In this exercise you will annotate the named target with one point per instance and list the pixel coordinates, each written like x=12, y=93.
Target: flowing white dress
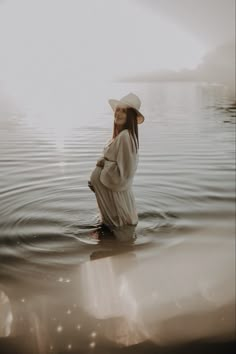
x=113, y=182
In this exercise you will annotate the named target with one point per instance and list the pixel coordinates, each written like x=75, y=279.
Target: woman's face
x=120, y=115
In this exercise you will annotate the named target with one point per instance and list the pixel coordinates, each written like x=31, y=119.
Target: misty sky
x=90, y=39
x=50, y=45
x=211, y=21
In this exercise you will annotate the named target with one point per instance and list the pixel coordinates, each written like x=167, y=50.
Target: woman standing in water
x=111, y=180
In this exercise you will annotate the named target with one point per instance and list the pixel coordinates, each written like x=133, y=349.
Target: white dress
x=113, y=182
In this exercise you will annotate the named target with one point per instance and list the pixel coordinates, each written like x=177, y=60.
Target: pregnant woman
x=111, y=180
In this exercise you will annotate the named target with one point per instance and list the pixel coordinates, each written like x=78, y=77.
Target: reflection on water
x=182, y=293
x=5, y=315
x=68, y=284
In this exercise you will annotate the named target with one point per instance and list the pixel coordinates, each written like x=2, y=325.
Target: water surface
x=61, y=289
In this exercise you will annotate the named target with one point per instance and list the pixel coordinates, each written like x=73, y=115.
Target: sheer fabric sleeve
x=118, y=174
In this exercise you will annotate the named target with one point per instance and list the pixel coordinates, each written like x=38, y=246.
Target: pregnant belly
x=95, y=176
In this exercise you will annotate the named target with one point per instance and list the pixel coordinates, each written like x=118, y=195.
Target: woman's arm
x=117, y=175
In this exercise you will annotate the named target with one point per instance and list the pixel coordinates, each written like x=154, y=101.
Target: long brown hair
x=132, y=126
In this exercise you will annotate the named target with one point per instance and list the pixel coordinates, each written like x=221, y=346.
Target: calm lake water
x=66, y=286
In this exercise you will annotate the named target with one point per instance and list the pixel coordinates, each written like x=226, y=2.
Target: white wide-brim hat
x=130, y=100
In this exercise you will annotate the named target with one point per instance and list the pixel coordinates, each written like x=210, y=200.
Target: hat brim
x=114, y=103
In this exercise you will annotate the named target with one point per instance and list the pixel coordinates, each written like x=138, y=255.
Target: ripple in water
x=174, y=269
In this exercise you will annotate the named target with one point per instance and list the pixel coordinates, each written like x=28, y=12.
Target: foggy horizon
x=54, y=49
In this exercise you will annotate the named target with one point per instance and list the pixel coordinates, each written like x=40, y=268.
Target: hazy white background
x=59, y=57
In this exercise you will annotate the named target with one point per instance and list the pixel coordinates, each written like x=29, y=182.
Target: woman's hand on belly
x=100, y=163
x=91, y=186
